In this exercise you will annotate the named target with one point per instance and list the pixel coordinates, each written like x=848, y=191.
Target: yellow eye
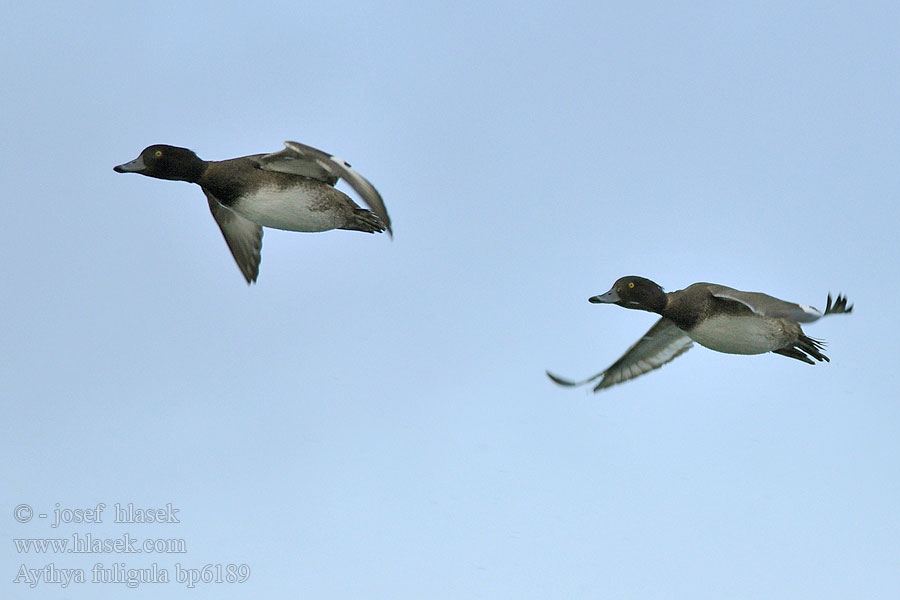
x=630, y=285
x=158, y=153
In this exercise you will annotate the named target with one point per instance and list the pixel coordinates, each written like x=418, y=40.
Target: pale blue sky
x=372, y=419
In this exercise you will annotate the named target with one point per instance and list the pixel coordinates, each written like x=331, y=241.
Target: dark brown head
x=166, y=162
x=634, y=292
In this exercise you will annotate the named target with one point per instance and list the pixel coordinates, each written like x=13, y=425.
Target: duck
x=715, y=316
x=292, y=189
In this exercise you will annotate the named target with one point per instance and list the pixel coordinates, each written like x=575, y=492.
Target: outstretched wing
x=300, y=159
x=243, y=236
x=288, y=160
x=769, y=306
x=661, y=344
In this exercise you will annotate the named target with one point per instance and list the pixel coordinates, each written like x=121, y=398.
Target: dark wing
x=243, y=236
x=300, y=159
x=289, y=160
x=839, y=306
x=662, y=343
x=768, y=306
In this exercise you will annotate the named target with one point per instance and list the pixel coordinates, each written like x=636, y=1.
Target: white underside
x=289, y=210
x=740, y=335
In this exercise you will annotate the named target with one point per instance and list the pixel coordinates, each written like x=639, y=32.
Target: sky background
x=372, y=419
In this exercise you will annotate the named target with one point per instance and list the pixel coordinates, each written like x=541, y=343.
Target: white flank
x=740, y=335
x=289, y=209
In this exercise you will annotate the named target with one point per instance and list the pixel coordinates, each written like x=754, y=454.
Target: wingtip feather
x=559, y=380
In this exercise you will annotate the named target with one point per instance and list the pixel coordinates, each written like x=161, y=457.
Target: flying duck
x=718, y=317
x=292, y=189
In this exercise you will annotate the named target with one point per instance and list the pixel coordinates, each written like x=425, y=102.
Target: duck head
x=165, y=162
x=634, y=292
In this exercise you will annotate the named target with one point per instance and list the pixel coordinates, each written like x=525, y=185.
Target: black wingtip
x=559, y=380
x=250, y=274
x=569, y=383
x=839, y=306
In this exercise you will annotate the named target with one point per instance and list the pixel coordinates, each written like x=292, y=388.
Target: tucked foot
x=365, y=220
x=804, y=348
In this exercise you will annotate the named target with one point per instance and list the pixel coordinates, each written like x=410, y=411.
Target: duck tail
x=365, y=220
